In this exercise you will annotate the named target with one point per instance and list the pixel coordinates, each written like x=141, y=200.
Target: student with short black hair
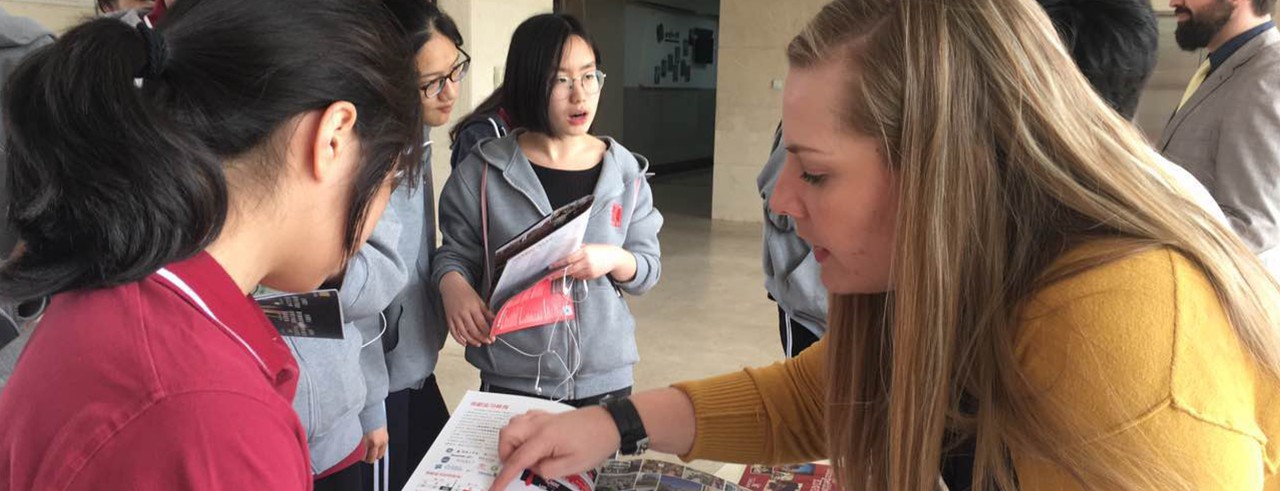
x=149, y=213
x=1113, y=42
x=551, y=92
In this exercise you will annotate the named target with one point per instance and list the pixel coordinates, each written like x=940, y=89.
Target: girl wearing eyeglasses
x=395, y=322
x=551, y=92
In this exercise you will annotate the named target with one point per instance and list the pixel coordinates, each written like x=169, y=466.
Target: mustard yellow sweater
x=1139, y=348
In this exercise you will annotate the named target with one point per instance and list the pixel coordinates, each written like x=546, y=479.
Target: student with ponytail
x=245, y=158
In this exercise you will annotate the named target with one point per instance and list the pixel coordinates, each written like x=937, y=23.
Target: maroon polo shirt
x=136, y=387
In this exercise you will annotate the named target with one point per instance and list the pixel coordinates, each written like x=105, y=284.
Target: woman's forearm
x=668, y=419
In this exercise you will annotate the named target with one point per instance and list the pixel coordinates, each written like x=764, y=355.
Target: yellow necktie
x=1196, y=80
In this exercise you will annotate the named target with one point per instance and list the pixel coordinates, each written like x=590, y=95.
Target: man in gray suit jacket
x=1226, y=131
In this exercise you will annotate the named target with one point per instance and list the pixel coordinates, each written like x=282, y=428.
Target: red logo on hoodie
x=617, y=215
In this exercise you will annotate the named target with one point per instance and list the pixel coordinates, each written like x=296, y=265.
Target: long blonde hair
x=1006, y=158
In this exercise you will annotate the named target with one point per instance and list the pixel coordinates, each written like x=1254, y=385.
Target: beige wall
x=753, y=38
x=486, y=27
x=57, y=15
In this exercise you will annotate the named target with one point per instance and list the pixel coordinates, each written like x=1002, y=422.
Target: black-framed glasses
x=590, y=83
x=435, y=86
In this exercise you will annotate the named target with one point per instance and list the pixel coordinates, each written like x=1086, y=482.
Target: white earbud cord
x=573, y=343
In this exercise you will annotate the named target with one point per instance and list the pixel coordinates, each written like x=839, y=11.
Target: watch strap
x=635, y=440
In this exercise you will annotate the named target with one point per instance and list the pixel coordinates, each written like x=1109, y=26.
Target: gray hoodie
x=342, y=384
x=791, y=274
x=517, y=200
x=416, y=325
x=19, y=36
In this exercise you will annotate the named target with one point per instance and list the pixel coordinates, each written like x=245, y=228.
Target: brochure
x=797, y=477
x=316, y=314
x=525, y=259
x=546, y=302
x=465, y=457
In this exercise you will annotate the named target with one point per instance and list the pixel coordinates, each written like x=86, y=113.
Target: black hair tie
x=157, y=52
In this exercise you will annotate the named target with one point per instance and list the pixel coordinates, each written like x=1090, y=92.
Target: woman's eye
x=812, y=178
x=562, y=80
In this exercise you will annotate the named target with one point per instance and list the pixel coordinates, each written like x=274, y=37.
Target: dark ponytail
x=101, y=194
x=487, y=107
x=110, y=181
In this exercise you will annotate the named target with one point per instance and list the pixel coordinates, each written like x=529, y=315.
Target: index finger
x=528, y=454
x=511, y=437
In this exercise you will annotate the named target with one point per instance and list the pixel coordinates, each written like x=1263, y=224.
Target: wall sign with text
x=668, y=49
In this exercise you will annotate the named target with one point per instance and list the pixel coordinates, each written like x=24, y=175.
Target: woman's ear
x=334, y=139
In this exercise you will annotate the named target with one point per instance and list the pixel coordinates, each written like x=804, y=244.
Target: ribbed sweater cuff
x=732, y=425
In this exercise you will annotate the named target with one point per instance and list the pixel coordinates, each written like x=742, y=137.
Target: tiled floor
x=707, y=316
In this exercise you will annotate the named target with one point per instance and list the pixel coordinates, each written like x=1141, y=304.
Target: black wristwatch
x=635, y=440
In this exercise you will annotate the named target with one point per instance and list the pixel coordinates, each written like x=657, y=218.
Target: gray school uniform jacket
x=415, y=319
x=623, y=215
x=343, y=384
x=791, y=274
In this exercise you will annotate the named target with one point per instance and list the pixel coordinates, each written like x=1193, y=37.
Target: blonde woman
x=1022, y=299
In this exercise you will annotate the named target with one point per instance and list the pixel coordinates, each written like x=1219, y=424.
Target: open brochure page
x=656, y=475
x=465, y=455
x=797, y=477
x=531, y=264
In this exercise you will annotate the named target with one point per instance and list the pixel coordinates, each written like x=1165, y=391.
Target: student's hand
x=593, y=261
x=555, y=445
x=465, y=311
x=375, y=445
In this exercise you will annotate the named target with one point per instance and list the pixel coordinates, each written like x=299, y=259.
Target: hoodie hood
x=16, y=32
